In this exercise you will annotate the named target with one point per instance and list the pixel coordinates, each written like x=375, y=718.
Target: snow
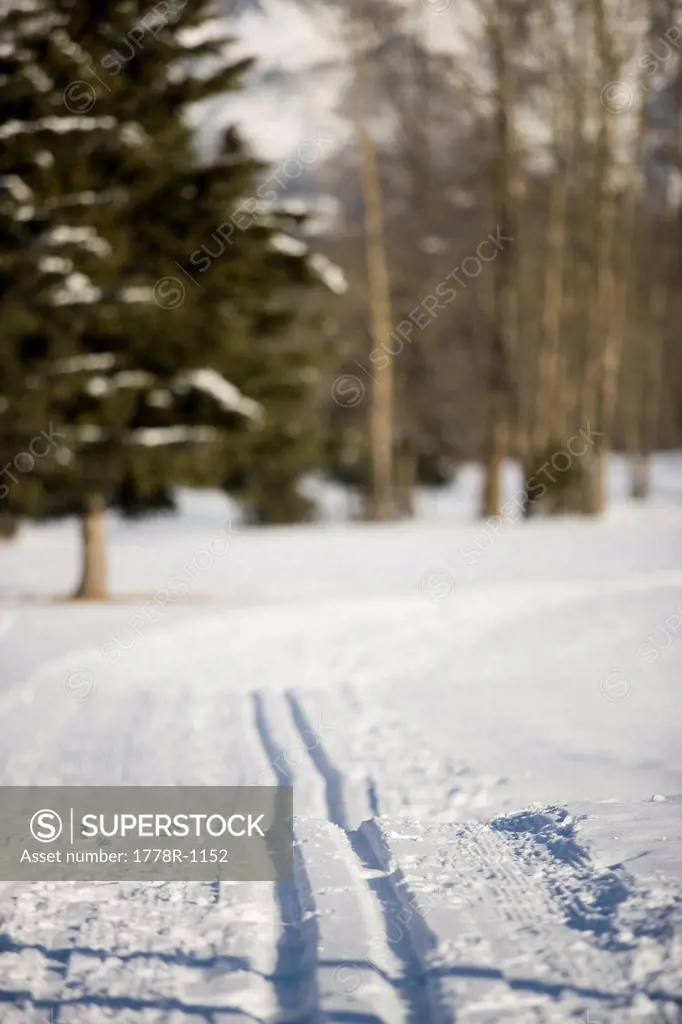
x=76, y=289
x=59, y=125
x=223, y=391
x=210, y=30
x=302, y=68
x=155, y=437
x=323, y=212
x=17, y=188
x=125, y=379
x=486, y=764
x=288, y=245
x=288, y=42
x=137, y=293
x=329, y=273
x=86, y=236
x=55, y=265
x=38, y=78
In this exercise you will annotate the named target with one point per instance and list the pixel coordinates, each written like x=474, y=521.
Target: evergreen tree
x=139, y=304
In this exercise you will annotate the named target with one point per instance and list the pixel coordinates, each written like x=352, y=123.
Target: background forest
x=480, y=261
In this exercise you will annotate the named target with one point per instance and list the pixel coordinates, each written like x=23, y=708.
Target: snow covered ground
x=489, y=822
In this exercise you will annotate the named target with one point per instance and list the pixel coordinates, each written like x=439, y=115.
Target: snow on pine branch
x=223, y=391
x=76, y=289
x=209, y=381
x=288, y=245
x=85, y=236
x=58, y=125
x=226, y=394
x=147, y=437
x=213, y=30
x=156, y=437
x=17, y=187
x=330, y=274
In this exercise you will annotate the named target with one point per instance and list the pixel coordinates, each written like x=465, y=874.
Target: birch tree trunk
x=600, y=348
x=93, y=583
x=499, y=381
x=381, y=413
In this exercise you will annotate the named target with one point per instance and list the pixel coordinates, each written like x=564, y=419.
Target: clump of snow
x=38, y=78
x=155, y=437
x=55, y=265
x=86, y=236
x=133, y=134
x=209, y=31
x=329, y=273
x=77, y=289
x=223, y=391
x=137, y=293
x=125, y=379
x=288, y=245
x=16, y=187
x=59, y=125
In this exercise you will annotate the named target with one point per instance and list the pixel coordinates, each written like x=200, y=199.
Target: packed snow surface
x=481, y=723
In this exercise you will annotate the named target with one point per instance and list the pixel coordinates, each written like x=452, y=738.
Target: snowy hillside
x=488, y=820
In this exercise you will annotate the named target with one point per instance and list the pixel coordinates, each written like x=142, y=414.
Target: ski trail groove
x=294, y=979
x=332, y=777
x=406, y=933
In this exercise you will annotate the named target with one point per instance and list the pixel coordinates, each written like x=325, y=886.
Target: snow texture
x=223, y=391
x=488, y=822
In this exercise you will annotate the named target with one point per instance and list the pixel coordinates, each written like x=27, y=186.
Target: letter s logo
x=46, y=826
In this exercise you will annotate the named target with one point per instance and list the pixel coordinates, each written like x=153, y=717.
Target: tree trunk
x=93, y=584
x=9, y=527
x=381, y=413
x=604, y=344
x=505, y=281
x=548, y=387
x=597, y=489
x=496, y=450
x=639, y=480
x=406, y=479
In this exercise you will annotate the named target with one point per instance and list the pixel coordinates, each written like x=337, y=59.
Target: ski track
x=403, y=908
